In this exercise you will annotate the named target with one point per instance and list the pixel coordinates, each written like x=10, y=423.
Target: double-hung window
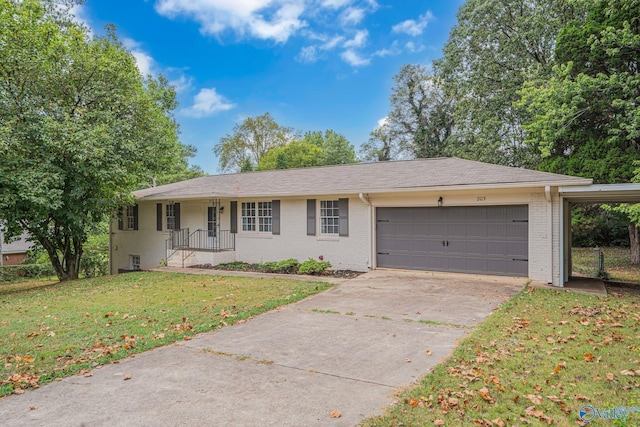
x=248, y=216
x=329, y=217
x=130, y=218
x=170, y=214
x=257, y=216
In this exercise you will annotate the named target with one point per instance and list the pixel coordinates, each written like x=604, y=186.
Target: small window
x=170, y=213
x=134, y=262
x=248, y=216
x=265, y=217
x=329, y=217
x=130, y=218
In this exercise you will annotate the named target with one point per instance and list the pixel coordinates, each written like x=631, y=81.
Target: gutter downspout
x=371, y=231
x=110, y=248
x=547, y=195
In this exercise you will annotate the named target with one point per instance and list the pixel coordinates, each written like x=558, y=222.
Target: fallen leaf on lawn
x=28, y=359
x=610, y=376
x=484, y=393
x=335, y=414
x=559, y=367
x=630, y=372
x=584, y=322
x=581, y=397
x=588, y=357
x=537, y=413
x=127, y=377
x=534, y=399
x=427, y=352
x=414, y=402
x=438, y=422
x=498, y=422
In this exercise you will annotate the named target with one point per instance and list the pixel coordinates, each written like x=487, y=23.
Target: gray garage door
x=482, y=239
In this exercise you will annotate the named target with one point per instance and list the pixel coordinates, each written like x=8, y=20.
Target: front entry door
x=212, y=227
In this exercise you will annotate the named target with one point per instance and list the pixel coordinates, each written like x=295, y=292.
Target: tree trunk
x=634, y=240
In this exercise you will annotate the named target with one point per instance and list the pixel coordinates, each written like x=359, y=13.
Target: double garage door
x=478, y=239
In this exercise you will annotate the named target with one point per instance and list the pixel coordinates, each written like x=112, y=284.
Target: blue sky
x=313, y=64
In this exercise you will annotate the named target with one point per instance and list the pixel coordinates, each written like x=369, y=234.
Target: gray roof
x=16, y=247
x=380, y=177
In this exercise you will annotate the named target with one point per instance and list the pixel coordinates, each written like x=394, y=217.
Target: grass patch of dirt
x=49, y=331
x=535, y=361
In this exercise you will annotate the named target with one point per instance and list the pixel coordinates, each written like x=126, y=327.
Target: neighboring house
x=443, y=214
x=15, y=252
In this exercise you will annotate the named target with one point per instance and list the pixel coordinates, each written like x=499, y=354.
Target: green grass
x=535, y=361
x=48, y=331
x=616, y=264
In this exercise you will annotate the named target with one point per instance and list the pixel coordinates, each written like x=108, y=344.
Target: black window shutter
x=275, y=217
x=159, y=216
x=343, y=209
x=177, y=214
x=120, y=219
x=234, y=217
x=311, y=217
x=135, y=217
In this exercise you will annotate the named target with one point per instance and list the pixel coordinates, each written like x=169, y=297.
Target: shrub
x=13, y=273
x=285, y=266
x=311, y=266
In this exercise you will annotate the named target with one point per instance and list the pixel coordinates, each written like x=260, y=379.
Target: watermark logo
x=589, y=413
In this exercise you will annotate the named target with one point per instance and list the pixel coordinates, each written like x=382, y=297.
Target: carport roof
x=380, y=177
x=602, y=193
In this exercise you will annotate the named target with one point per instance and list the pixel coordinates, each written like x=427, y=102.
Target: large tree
x=250, y=141
x=495, y=46
x=79, y=128
x=297, y=154
x=336, y=148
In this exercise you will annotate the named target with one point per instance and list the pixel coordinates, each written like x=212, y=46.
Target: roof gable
x=420, y=174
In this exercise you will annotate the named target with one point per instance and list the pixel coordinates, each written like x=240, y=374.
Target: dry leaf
x=610, y=376
x=335, y=414
x=33, y=408
x=588, y=357
x=534, y=399
x=438, y=422
x=484, y=393
x=414, y=402
x=498, y=422
x=427, y=352
x=127, y=377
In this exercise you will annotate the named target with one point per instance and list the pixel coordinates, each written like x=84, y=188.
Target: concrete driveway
x=348, y=349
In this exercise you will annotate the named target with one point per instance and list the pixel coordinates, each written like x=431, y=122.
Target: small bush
x=13, y=273
x=286, y=266
x=234, y=266
x=311, y=266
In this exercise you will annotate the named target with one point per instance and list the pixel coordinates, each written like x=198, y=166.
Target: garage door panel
x=483, y=239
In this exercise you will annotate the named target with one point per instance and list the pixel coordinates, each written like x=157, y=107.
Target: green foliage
x=297, y=154
x=591, y=225
x=80, y=128
x=380, y=147
x=178, y=171
x=496, y=46
x=95, y=259
x=287, y=266
x=335, y=148
x=584, y=118
x=16, y=273
x=311, y=266
x=250, y=141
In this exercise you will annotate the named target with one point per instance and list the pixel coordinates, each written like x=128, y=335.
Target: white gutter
x=547, y=195
x=372, y=232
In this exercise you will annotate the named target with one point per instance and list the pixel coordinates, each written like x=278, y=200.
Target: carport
x=592, y=194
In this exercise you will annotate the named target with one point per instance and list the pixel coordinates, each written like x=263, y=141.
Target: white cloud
x=273, y=20
x=207, y=103
x=414, y=27
x=354, y=59
x=144, y=61
x=392, y=50
x=359, y=40
x=335, y=4
x=308, y=55
x=352, y=16
x=79, y=12
x=332, y=42
x=414, y=48
x=182, y=83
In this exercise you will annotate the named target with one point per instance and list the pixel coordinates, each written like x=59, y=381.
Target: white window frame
x=134, y=262
x=257, y=217
x=170, y=216
x=248, y=215
x=129, y=220
x=329, y=217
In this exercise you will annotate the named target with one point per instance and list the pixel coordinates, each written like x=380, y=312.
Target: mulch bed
x=338, y=274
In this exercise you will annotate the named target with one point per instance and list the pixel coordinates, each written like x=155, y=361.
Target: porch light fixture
x=221, y=209
x=440, y=201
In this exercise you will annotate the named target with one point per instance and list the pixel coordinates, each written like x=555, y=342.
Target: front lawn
x=49, y=331
x=536, y=361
